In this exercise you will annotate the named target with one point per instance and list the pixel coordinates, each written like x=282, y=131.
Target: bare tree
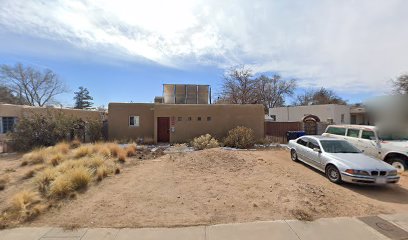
x=317, y=97
x=238, y=86
x=401, y=84
x=30, y=85
x=271, y=91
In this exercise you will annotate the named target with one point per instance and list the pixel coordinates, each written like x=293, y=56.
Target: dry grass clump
x=131, y=150
x=204, y=142
x=74, y=144
x=102, y=172
x=43, y=179
x=56, y=159
x=62, y=147
x=115, y=149
x=82, y=151
x=240, y=137
x=36, y=156
x=93, y=162
x=122, y=156
x=73, y=179
x=23, y=205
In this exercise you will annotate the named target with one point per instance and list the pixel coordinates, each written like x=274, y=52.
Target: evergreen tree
x=82, y=99
x=6, y=96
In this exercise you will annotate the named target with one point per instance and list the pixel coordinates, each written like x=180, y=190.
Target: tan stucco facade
x=18, y=111
x=216, y=119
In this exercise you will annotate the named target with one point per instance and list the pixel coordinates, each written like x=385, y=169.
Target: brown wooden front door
x=163, y=129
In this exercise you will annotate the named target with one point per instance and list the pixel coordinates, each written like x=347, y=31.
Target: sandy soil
x=220, y=186
x=15, y=175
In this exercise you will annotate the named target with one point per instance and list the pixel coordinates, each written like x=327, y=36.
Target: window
x=8, y=124
x=199, y=119
x=368, y=135
x=208, y=119
x=336, y=131
x=134, y=121
x=180, y=119
x=353, y=132
x=302, y=142
x=313, y=144
x=342, y=118
x=189, y=118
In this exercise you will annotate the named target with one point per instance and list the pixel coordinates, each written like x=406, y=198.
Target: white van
x=391, y=149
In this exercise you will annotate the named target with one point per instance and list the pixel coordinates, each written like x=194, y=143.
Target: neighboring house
x=359, y=116
x=10, y=114
x=172, y=123
x=330, y=113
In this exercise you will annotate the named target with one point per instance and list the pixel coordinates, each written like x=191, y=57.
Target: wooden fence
x=276, y=131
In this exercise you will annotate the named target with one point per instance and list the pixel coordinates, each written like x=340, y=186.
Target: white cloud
x=351, y=45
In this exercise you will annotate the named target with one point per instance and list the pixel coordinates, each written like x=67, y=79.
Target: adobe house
x=182, y=114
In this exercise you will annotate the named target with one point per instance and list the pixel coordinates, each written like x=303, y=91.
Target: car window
x=368, y=135
x=336, y=130
x=334, y=146
x=353, y=132
x=313, y=144
x=302, y=142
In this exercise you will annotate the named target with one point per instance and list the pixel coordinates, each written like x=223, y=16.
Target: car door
x=301, y=148
x=313, y=157
x=369, y=143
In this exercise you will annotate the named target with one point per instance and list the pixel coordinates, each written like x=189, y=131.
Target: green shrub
x=204, y=142
x=240, y=137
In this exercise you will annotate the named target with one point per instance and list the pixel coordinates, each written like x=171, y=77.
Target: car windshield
x=334, y=146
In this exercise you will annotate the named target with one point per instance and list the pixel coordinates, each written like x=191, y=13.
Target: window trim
x=134, y=121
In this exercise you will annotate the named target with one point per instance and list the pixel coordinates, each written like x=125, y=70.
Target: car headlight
x=393, y=173
x=357, y=172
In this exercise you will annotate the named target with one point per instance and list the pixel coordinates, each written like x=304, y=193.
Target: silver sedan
x=341, y=161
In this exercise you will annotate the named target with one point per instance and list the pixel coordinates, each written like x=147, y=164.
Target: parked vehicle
x=390, y=148
x=341, y=161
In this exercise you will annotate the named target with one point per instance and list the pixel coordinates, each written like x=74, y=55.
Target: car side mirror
x=317, y=150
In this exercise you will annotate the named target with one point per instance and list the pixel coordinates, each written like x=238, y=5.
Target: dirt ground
x=219, y=186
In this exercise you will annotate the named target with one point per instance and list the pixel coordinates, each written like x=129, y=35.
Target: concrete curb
x=349, y=228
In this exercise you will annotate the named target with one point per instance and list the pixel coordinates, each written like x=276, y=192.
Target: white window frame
x=136, y=121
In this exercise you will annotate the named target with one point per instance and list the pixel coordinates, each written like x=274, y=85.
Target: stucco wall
x=324, y=112
x=223, y=118
x=118, y=124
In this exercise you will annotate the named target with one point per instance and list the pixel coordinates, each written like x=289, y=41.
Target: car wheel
x=333, y=174
x=293, y=155
x=399, y=164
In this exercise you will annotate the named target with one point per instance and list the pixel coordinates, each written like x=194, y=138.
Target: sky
x=124, y=50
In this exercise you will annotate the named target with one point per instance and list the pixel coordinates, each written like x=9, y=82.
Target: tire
x=333, y=174
x=400, y=164
x=293, y=155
